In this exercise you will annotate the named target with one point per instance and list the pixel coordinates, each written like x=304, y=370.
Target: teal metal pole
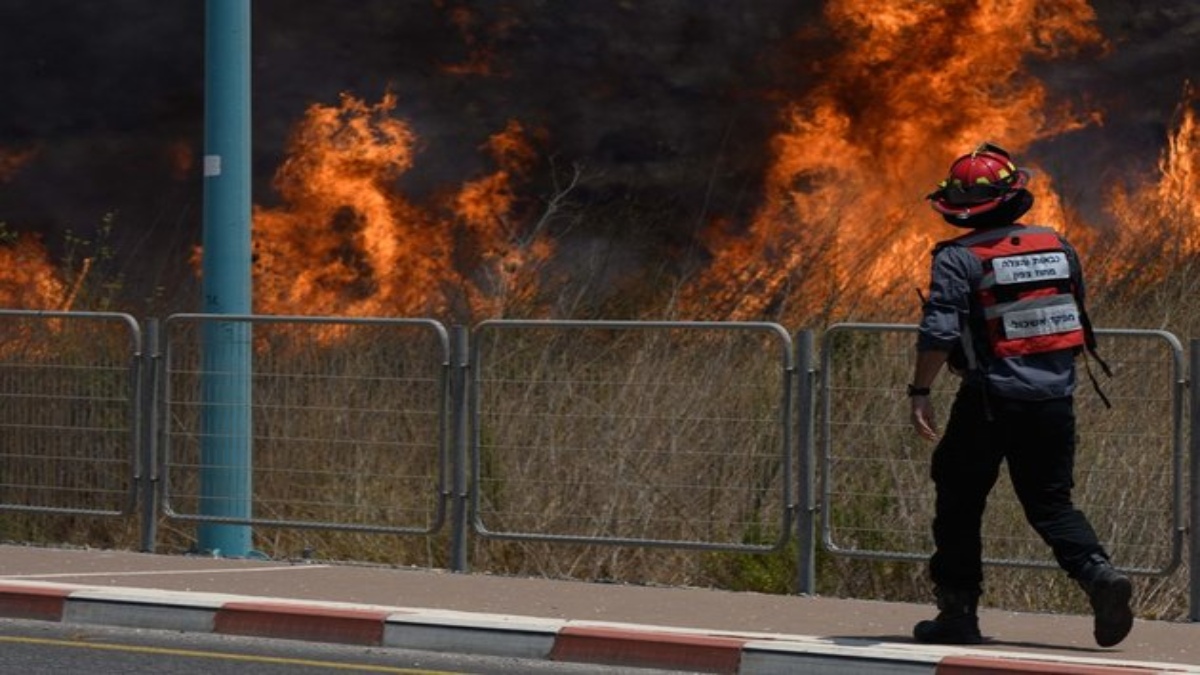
x=225, y=451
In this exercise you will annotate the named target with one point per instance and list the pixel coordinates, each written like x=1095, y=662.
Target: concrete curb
x=599, y=643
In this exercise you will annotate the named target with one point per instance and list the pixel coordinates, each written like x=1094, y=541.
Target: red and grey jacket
x=1027, y=294
x=1028, y=300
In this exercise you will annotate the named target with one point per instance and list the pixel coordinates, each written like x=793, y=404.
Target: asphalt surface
x=47, y=648
x=573, y=622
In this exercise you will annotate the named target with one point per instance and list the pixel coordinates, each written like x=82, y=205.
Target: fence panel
x=348, y=422
x=69, y=418
x=639, y=433
x=877, y=498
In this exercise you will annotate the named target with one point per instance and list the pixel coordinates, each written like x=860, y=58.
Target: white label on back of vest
x=1022, y=269
x=1050, y=320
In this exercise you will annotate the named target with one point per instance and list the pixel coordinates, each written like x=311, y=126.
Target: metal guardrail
x=635, y=433
x=877, y=500
x=348, y=420
x=69, y=382
x=383, y=425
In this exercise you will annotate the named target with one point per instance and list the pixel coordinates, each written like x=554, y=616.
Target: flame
x=842, y=226
x=915, y=84
x=485, y=207
x=347, y=243
x=344, y=243
x=29, y=280
x=1177, y=194
x=1158, y=221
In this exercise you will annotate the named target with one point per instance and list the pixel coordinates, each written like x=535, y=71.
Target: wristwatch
x=918, y=391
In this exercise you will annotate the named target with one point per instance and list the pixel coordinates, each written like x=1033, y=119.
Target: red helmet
x=978, y=183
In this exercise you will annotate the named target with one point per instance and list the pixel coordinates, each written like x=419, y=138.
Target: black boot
x=1109, y=591
x=956, y=622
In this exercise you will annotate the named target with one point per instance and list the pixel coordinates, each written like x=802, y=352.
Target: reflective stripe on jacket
x=1027, y=293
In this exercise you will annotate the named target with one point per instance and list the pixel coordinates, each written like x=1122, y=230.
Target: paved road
x=568, y=621
x=45, y=648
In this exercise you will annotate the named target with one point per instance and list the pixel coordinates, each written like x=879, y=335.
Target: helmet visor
x=966, y=195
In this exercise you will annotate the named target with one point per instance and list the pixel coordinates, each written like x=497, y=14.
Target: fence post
x=805, y=516
x=147, y=419
x=459, y=448
x=1194, y=485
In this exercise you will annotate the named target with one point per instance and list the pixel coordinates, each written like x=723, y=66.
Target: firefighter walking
x=1005, y=310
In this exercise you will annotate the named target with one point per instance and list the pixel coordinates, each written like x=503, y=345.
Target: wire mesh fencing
x=877, y=498
x=640, y=434
x=347, y=423
x=633, y=433
x=69, y=387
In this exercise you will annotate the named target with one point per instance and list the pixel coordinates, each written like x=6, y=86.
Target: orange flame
x=1159, y=221
x=29, y=280
x=916, y=84
x=842, y=227
x=485, y=207
x=347, y=244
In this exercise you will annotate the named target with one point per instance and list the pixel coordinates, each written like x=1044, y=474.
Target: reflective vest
x=1027, y=294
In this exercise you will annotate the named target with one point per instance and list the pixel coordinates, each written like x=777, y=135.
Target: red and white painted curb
x=527, y=637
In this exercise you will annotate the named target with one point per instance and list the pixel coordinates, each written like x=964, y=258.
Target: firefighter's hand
x=922, y=418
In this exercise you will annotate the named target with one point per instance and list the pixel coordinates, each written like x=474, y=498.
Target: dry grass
x=671, y=440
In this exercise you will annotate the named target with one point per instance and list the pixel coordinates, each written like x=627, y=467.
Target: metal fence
x=348, y=422
x=692, y=434
x=876, y=498
x=637, y=433
x=69, y=418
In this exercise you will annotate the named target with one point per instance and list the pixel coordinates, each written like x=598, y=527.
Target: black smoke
x=668, y=105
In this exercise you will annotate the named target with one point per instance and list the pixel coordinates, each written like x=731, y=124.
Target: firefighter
x=1005, y=310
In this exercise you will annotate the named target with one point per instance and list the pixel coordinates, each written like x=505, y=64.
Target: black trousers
x=1037, y=439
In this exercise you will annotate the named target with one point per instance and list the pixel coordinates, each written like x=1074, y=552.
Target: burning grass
x=830, y=241
x=542, y=473
x=605, y=434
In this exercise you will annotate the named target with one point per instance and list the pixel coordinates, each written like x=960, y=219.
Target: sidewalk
x=675, y=628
